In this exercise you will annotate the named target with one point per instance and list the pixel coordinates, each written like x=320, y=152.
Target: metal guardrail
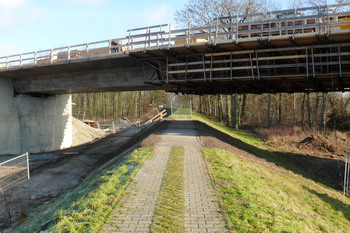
x=320, y=20
x=14, y=170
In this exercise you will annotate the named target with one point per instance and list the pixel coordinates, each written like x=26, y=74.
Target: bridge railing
x=320, y=20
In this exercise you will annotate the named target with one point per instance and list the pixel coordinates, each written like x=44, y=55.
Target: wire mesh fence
x=347, y=174
x=14, y=170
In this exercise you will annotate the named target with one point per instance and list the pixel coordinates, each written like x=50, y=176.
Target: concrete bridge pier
x=33, y=124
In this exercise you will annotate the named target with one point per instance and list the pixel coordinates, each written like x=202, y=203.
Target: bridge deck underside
x=301, y=64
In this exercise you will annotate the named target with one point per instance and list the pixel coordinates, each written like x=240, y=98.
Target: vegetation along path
x=172, y=191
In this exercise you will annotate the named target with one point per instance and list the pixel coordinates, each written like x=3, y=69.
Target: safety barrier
x=13, y=171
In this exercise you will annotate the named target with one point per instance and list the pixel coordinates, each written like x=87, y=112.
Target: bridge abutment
x=33, y=124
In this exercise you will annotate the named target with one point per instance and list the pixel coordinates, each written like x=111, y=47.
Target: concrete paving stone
x=142, y=195
x=202, y=210
x=201, y=201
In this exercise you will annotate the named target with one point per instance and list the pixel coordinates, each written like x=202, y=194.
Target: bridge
x=294, y=50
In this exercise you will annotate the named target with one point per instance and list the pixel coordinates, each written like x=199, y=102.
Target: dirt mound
x=327, y=144
x=82, y=133
x=335, y=144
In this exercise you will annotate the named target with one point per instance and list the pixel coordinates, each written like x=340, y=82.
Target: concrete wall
x=33, y=124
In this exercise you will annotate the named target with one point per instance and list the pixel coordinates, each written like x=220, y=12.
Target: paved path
x=137, y=208
x=202, y=211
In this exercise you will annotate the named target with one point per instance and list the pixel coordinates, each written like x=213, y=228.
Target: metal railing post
x=319, y=20
x=346, y=173
x=28, y=173
x=51, y=57
x=270, y=18
x=68, y=55
x=161, y=36
x=129, y=40
x=35, y=57
x=20, y=61
x=169, y=39
x=87, y=51
x=237, y=29
x=7, y=63
x=216, y=30
x=188, y=38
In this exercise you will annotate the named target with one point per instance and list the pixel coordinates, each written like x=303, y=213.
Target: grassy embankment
x=304, y=165
x=169, y=212
x=91, y=204
x=256, y=198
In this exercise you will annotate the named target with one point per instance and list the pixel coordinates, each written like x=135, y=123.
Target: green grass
x=180, y=113
x=169, y=212
x=244, y=136
x=257, y=199
x=90, y=205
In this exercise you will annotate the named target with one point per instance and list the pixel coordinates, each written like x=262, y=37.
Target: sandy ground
x=83, y=133
x=63, y=170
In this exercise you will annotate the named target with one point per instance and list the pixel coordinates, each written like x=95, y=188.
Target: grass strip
x=257, y=199
x=244, y=136
x=91, y=204
x=169, y=212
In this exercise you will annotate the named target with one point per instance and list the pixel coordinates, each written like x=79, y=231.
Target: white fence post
x=346, y=188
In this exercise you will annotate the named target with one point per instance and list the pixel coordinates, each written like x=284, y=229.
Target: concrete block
x=32, y=124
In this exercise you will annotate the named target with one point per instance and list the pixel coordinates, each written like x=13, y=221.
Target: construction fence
x=13, y=171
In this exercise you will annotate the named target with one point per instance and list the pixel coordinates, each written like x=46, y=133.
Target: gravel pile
x=82, y=133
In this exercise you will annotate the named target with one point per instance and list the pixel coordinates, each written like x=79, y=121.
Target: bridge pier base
x=33, y=124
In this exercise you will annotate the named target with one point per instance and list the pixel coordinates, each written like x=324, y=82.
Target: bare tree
x=296, y=3
x=204, y=12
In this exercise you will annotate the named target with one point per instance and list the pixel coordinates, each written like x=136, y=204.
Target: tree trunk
x=269, y=121
x=294, y=109
x=308, y=107
x=219, y=108
x=234, y=101
x=279, y=109
x=243, y=109
x=323, y=112
x=303, y=110
x=315, y=115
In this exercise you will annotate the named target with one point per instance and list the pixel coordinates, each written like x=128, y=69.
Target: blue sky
x=29, y=25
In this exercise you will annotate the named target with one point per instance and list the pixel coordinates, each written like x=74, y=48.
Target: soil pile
x=331, y=145
x=82, y=133
x=327, y=144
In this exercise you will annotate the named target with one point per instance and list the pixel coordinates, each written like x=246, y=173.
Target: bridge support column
x=33, y=124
